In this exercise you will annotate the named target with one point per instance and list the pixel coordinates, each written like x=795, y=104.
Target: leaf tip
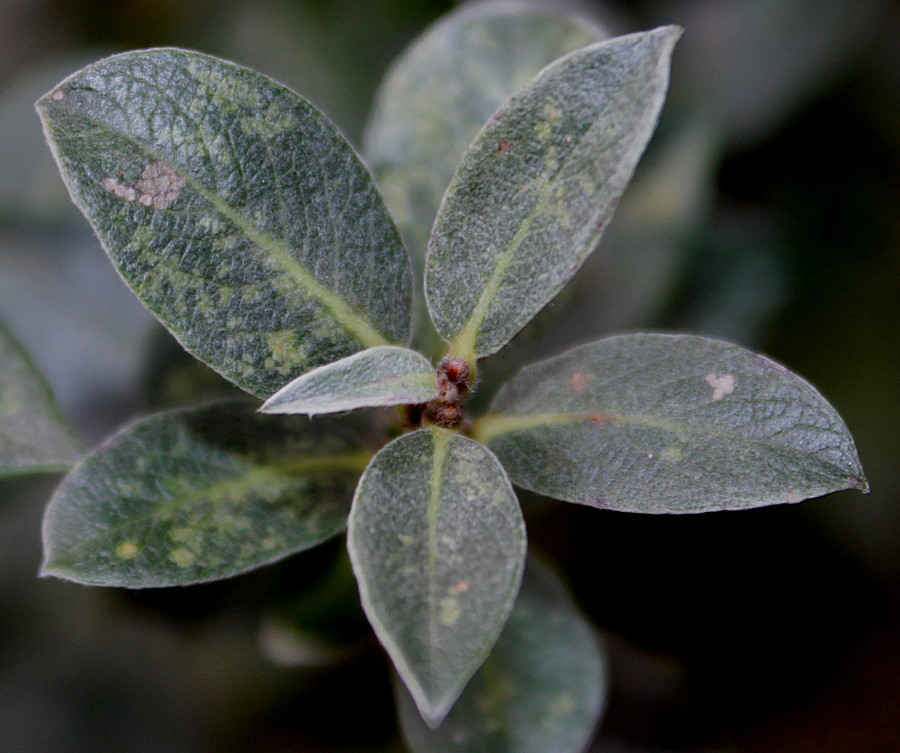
x=434, y=711
x=860, y=483
x=50, y=569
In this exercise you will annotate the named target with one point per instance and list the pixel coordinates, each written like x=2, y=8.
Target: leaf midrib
x=466, y=341
x=487, y=428
x=441, y=446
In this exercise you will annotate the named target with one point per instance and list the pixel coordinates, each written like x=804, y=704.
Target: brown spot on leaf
x=58, y=96
x=599, y=418
x=461, y=587
x=504, y=146
x=579, y=380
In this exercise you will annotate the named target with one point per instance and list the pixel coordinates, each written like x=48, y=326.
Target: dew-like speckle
x=722, y=384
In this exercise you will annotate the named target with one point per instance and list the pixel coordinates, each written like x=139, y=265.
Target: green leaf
x=437, y=543
x=538, y=186
x=234, y=210
x=33, y=436
x=439, y=93
x=542, y=688
x=669, y=424
x=197, y=495
x=381, y=376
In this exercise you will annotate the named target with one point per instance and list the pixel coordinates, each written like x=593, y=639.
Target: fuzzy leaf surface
x=538, y=186
x=33, y=436
x=542, y=688
x=387, y=375
x=669, y=424
x=197, y=495
x=437, y=543
x=443, y=88
x=235, y=211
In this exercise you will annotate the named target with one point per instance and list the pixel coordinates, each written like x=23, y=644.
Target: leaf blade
x=437, y=543
x=542, y=688
x=234, y=210
x=190, y=496
x=33, y=436
x=669, y=424
x=377, y=377
x=441, y=90
x=538, y=186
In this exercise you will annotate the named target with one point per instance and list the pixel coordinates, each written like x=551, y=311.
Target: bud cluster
x=453, y=384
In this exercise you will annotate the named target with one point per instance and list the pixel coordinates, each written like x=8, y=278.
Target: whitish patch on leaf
x=191, y=496
x=722, y=384
x=437, y=543
x=669, y=423
x=542, y=688
x=158, y=186
x=33, y=436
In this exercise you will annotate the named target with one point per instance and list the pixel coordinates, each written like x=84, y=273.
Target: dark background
x=776, y=224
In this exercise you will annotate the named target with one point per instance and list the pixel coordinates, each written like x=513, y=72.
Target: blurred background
x=767, y=212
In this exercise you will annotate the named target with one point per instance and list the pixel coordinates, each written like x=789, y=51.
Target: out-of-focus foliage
x=777, y=165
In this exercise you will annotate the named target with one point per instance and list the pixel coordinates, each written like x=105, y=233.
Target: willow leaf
x=197, y=495
x=33, y=436
x=669, y=423
x=538, y=186
x=437, y=543
x=443, y=88
x=381, y=376
x=542, y=688
x=234, y=210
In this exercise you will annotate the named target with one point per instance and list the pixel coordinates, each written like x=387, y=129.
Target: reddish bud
x=444, y=414
x=457, y=371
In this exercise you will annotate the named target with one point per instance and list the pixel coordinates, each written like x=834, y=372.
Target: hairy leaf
x=538, y=186
x=669, y=423
x=190, y=496
x=542, y=688
x=234, y=210
x=33, y=436
x=439, y=93
x=381, y=376
x=438, y=545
